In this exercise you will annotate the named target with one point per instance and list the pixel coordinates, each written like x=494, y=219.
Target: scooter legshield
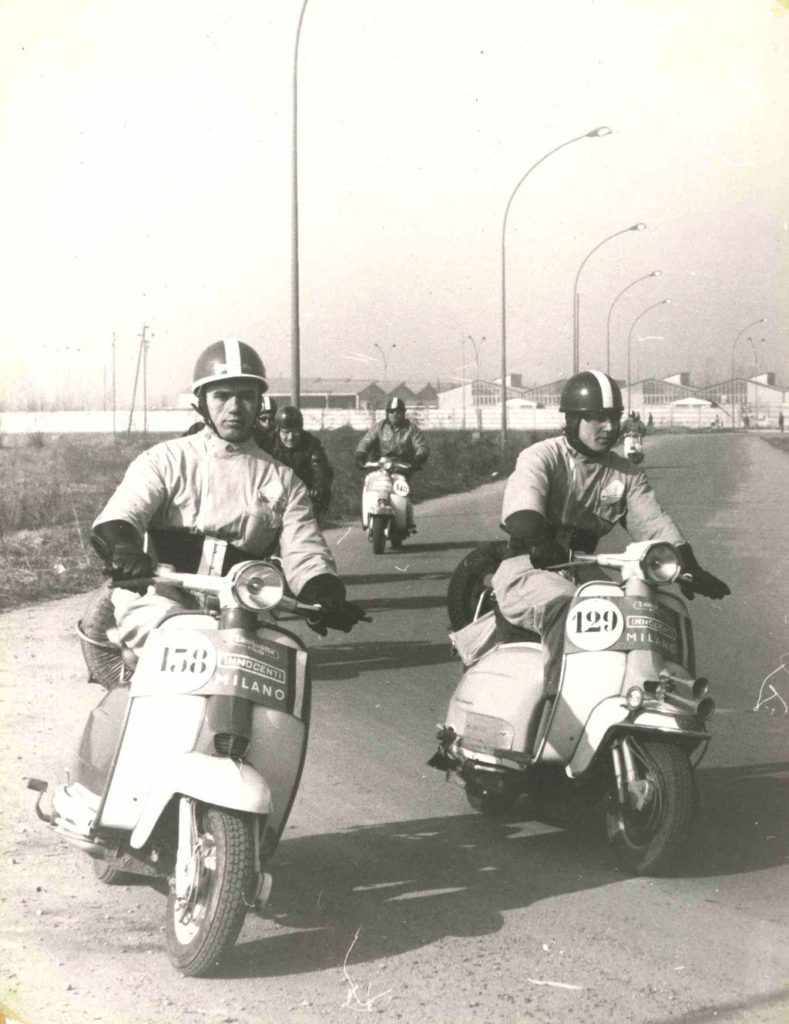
x=212, y=780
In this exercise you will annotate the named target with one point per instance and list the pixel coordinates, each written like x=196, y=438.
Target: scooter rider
x=211, y=499
x=396, y=436
x=567, y=492
x=266, y=428
x=303, y=452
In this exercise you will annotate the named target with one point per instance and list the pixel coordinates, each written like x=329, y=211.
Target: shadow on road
x=403, y=576
x=744, y=822
x=405, y=885
x=343, y=661
x=414, y=602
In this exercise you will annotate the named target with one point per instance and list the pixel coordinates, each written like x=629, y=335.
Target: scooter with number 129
x=627, y=717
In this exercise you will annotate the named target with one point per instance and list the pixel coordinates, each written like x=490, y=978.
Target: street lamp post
x=663, y=302
x=595, y=133
x=576, y=298
x=761, y=320
x=295, y=331
x=655, y=273
x=383, y=357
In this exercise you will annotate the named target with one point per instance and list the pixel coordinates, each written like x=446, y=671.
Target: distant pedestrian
x=650, y=421
x=781, y=422
x=746, y=420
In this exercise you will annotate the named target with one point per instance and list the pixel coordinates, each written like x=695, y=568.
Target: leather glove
x=546, y=553
x=360, y=460
x=319, y=496
x=336, y=613
x=703, y=582
x=120, y=547
x=130, y=563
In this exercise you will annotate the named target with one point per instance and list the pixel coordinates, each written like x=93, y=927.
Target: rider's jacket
x=201, y=485
x=583, y=497
x=406, y=443
x=307, y=459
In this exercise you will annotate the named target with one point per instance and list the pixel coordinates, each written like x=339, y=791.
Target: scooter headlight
x=257, y=586
x=660, y=564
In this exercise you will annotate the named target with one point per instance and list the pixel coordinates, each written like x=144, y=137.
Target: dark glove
x=319, y=496
x=360, y=458
x=120, y=547
x=546, y=553
x=336, y=613
x=702, y=582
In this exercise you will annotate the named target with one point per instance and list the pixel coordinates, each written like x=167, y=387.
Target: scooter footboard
x=212, y=780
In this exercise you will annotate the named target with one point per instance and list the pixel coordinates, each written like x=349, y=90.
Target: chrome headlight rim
x=659, y=564
x=257, y=586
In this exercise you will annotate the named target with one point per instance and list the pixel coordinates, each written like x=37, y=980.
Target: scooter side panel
x=505, y=684
x=158, y=727
x=100, y=740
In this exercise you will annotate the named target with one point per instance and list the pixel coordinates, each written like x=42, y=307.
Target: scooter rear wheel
x=490, y=803
x=648, y=840
x=469, y=586
x=202, y=927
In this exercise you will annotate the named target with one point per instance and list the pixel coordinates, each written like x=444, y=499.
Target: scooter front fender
x=614, y=712
x=212, y=780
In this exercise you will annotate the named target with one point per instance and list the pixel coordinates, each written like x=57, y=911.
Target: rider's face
x=599, y=432
x=232, y=406
x=289, y=437
x=266, y=421
x=396, y=417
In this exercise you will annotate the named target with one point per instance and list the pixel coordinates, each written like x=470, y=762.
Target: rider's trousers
x=538, y=600
x=137, y=614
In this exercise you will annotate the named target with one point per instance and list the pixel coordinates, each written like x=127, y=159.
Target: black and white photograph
x=394, y=507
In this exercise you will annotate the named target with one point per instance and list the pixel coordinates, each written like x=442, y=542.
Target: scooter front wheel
x=378, y=535
x=490, y=802
x=204, y=922
x=650, y=832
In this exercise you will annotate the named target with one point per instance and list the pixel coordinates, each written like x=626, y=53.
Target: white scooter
x=386, y=503
x=628, y=714
x=633, y=447
x=188, y=767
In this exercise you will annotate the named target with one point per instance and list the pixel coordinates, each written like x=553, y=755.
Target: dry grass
x=53, y=488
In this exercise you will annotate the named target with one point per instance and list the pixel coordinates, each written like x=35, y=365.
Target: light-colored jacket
x=577, y=493
x=236, y=492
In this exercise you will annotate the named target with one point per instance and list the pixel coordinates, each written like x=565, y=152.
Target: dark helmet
x=290, y=418
x=267, y=406
x=395, y=405
x=228, y=359
x=591, y=392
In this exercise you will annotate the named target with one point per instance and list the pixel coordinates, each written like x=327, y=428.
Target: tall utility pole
x=295, y=329
x=113, y=385
x=140, y=352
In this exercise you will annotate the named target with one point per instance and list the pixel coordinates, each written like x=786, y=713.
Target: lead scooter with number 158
x=627, y=717
x=187, y=770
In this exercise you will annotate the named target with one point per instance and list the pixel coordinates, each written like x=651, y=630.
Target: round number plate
x=594, y=624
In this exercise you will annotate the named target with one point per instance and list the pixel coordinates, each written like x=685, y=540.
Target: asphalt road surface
x=391, y=897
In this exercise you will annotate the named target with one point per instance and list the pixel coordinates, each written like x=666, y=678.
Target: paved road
x=390, y=895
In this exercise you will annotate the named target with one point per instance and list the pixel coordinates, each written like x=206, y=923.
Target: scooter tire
x=378, y=535
x=650, y=841
x=471, y=581
x=109, y=876
x=222, y=895
x=491, y=804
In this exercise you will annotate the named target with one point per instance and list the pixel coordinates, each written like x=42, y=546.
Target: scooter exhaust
x=702, y=708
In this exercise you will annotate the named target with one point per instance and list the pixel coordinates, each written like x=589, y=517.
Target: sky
x=145, y=160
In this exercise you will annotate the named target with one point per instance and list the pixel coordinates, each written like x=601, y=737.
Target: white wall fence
x=488, y=418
